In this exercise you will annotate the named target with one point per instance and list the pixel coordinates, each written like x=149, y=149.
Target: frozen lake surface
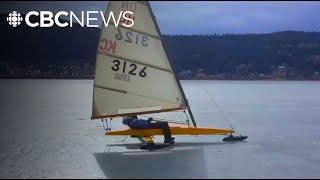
x=46, y=132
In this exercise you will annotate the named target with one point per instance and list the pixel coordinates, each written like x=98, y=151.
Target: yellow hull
x=173, y=130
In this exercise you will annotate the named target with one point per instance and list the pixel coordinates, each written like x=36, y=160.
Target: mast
x=172, y=66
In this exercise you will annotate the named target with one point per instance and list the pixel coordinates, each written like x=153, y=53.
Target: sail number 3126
x=130, y=68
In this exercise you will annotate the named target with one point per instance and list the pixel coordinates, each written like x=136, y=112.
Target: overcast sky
x=205, y=17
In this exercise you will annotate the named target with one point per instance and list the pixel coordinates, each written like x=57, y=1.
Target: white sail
x=133, y=74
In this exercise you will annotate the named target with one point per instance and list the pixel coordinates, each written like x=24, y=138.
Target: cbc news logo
x=14, y=18
x=86, y=19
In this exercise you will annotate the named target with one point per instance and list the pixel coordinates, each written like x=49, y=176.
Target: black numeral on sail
x=132, y=37
x=132, y=68
x=124, y=67
x=116, y=67
x=143, y=73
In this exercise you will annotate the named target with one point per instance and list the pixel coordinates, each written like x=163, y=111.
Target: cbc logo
x=48, y=19
x=14, y=19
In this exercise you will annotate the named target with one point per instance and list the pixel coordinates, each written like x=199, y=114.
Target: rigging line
x=218, y=107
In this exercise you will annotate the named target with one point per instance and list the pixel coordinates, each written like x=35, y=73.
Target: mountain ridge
x=226, y=53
